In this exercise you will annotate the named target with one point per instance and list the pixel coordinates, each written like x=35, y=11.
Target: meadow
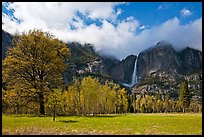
x=116, y=124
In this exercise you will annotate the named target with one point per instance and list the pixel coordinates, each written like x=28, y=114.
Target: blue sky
x=155, y=13
x=116, y=29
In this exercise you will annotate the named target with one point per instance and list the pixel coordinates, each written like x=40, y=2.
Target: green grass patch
x=129, y=124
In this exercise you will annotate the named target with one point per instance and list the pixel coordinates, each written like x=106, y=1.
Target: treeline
x=151, y=104
x=144, y=103
x=89, y=97
x=85, y=97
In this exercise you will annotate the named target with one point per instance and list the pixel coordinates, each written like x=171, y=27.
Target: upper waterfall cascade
x=134, y=76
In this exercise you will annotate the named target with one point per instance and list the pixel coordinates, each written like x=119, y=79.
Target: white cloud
x=119, y=11
x=186, y=12
x=180, y=36
x=118, y=39
x=142, y=27
x=57, y=15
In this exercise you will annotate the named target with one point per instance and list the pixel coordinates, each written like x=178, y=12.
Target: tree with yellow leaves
x=36, y=61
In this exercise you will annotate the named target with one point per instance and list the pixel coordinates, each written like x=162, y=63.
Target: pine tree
x=184, y=95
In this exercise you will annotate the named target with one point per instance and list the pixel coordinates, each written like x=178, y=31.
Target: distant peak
x=163, y=43
x=189, y=49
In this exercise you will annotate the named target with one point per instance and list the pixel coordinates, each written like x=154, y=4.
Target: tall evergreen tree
x=184, y=95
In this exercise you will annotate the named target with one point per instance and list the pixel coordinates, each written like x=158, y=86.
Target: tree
x=123, y=101
x=36, y=61
x=89, y=95
x=106, y=95
x=4, y=100
x=143, y=104
x=71, y=99
x=184, y=95
x=195, y=106
x=54, y=101
x=159, y=105
x=178, y=106
x=167, y=103
x=172, y=104
x=150, y=103
x=109, y=97
x=137, y=104
x=115, y=90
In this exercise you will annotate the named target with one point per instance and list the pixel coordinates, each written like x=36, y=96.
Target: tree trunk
x=42, y=107
x=54, y=114
x=183, y=110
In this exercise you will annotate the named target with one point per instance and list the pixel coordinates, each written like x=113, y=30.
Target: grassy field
x=142, y=124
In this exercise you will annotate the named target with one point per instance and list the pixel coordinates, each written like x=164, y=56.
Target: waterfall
x=134, y=75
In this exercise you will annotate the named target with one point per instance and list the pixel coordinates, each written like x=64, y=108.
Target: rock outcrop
x=191, y=60
x=123, y=71
x=160, y=57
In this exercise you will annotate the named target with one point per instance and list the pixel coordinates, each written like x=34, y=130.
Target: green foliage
x=184, y=95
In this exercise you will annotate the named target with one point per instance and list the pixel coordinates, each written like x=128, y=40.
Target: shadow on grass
x=68, y=121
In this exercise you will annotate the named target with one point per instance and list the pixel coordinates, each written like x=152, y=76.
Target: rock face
x=123, y=71
x=107, y=64
x=80, y=61
x=82, y=53
x=85, y=61
x=191, y=60
x=160, y=57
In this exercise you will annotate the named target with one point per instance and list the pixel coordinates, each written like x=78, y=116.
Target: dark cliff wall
x=124, y=70
x=159, y=57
